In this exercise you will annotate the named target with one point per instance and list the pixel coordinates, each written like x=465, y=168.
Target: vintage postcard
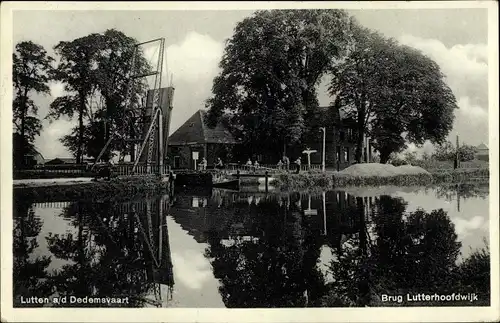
x=249, y=161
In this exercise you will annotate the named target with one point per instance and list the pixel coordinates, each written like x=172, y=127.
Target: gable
x=190, y=131
x=482, y=147
x=218, y=134
x=194, y=130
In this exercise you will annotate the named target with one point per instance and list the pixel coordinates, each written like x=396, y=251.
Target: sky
x=455, y=38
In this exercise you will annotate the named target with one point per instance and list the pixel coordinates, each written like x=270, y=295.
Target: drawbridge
x=144, y=126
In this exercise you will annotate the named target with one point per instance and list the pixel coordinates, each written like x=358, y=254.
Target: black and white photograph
x=205, y=158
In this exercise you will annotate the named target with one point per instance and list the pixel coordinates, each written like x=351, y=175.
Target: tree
x=269, y=73
x=395, y=93
x=113, y=64
x=466, y=152
x=447, y=152
x=95, y=68
x=76, y=70
x=31, y=66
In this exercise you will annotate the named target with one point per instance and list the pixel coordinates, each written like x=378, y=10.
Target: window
x=338, y=153
x=346, y=154
x=342, y=135
x=350, y=135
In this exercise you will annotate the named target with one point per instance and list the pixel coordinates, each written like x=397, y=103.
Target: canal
x=216, y=248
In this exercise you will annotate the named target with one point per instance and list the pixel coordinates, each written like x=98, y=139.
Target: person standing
x=286, y=161
x=298, y=163
x=219, y=164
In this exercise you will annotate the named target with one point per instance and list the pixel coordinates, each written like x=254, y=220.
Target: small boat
x=228, y=184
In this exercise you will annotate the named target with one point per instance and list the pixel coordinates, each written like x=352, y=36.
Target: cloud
x=48, y=142
x=465, y=67
x=191, y=268
x=193, y=62
x=56, y=89
x=465, y=227
x=196, y=59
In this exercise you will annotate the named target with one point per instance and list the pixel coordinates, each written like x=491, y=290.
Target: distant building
x=482, y=152
x=30, y=156
x=194, y=137
x=34, y=159
x=67, y=161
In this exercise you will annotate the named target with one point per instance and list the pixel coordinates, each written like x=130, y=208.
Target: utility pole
x=324, y=144
x=457, y=155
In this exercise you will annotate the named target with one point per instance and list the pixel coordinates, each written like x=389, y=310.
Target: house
x=34, y=158
x=482, y=152
x=67, y=161
x=61, y=161
x=30, y=158
x=195, y=140
x=340, y=140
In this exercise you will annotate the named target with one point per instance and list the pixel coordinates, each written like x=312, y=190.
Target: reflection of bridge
x=334, y=214
x=150, y=216
x=137, y=226
x=52, y=205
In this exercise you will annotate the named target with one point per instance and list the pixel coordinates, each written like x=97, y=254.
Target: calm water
x=251, y=249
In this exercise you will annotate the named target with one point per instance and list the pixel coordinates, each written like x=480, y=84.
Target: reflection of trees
x=276, y=270
x=409, y=252
x=107, y=257
x=29, y=271
x=463, y=191
x=474, y=274
x=418, y=250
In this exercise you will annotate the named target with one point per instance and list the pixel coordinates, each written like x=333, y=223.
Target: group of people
x=285, y=164
x=203, y=164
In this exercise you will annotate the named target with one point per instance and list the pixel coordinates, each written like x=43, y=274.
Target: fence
x=272, y=168
x=126, y=169
x=71, y=171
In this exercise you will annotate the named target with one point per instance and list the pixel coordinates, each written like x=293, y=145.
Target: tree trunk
x=361, y=134
x=22, y=151
x=384, y=157
x=22, y=145
x=81, y=109
x=363, y=282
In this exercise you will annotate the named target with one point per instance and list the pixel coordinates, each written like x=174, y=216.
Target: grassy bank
x=331, y=180
x=92, y=190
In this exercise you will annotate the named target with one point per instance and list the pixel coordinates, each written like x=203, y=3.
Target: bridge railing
x=271, y=168
x=126, y=169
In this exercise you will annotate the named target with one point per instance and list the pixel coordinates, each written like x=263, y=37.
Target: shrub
x=94, y=190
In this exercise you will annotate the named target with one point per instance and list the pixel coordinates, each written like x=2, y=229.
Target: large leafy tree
x=395, y=93
x=31, y=66
x=269, y=73
x=114, y=62
x=76, y=70
x=95, y=68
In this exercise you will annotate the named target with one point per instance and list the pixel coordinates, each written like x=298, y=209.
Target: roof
x=64, y=160
x=68, y=160
x=194, y=130
x=326, y=115
x=482, y=147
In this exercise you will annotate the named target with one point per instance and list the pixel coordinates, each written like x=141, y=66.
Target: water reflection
x=252, y=249
x=110, y=249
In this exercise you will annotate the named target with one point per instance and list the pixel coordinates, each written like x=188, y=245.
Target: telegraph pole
x=324, y=144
